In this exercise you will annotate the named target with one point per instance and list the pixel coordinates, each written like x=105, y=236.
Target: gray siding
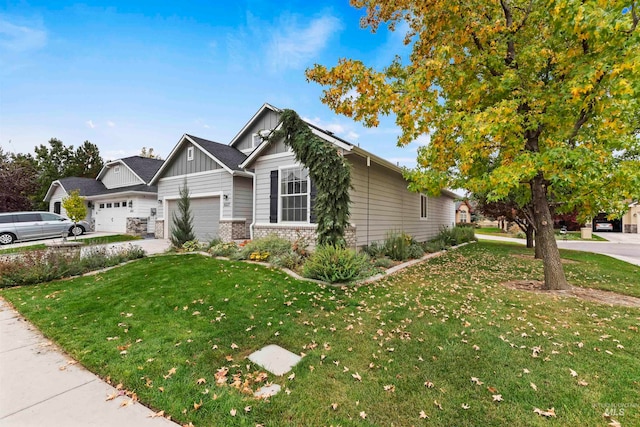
x=268, y=120
x=275, y=148
x=242, y=199
x=180, y=165
x=380, y=202
x=123, y=178
x=200, y=184
x=263, y=169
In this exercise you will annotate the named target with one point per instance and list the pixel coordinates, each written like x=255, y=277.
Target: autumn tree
x=75, y=208
x=513, y=92
x=149, y=153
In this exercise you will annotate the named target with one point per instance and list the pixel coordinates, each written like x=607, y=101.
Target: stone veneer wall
x=159, y=233
x=137, y=226
x=307, y=232
x=630, y=228
x=230, y=230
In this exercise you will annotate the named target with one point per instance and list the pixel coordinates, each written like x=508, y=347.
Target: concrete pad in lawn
x=275, y=359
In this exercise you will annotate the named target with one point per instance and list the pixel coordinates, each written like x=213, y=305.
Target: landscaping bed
x=441, y=343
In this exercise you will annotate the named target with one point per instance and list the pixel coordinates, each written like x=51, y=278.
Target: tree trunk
x=538, y=251
x=554, y=277
x=529, y=233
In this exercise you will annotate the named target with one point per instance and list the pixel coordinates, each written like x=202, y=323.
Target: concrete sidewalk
x=41, y=386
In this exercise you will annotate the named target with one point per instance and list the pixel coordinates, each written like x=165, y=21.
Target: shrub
x=396, y=246
x=192, y=246
x=434, y=246
x=291, y=260
x=415, y=250
x=224, y=249
x=29, y=268
x=336, y=265
x=214, y=242
x=383, y=262
x=374, y=250
x=259, y=256
x=272, y=244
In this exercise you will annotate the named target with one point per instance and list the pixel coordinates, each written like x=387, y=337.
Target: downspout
x=253, y=222
x=368, y=197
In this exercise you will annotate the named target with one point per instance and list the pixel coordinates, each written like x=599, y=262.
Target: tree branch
x=636, y=18
x=511, y=49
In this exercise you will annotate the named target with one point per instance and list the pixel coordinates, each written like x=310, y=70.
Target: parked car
x=37, y=225
x=604, y=226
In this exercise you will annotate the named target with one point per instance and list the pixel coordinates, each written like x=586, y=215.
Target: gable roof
x=143, y=167
x=226, y=156
x=89, y=187
x=265, y=106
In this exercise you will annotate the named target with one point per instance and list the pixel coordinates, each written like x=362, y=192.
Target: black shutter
x=312, y=204
x=273, y=200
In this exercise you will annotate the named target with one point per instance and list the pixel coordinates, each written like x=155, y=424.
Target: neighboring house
x=463, y=212
x=220, y=190
x=119, y=200
x=380, y=202
x=631, y=219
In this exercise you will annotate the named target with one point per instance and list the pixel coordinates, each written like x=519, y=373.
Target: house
x=463, y=212
x=220, y=190
x=255, y=186
x=119, y=199
x=631, y=219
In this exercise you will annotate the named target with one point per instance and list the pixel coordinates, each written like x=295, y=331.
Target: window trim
x=116, y=169
x=426, y=207
x=463, y=218
x=280, y=195
x=190, y=154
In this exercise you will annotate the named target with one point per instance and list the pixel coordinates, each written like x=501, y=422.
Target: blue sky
x=124, y=75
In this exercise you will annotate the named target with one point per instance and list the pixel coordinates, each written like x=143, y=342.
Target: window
x=116, y=205
x=29, y=217
x=189, y=154
x=116, y=169
x=294, y=195
x=124, y=204
x=256, y=139
x=463, y=216
x=50, y=217
x=108, y=205
x=101, y=205
x=424, y=207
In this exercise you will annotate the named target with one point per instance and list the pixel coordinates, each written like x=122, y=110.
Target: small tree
x=76, y=210
x=182, y=230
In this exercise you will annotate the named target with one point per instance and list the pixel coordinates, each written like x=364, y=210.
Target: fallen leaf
x=247, y=409
x=573, y=373
x=492, y=390
x=233, y=412
x=357, y=376
x=197, y=406
x=292, y=376
x=465, y=406
x=548, y=413
x=111, y=396
x=423, y=415
x=156, y=414
x=201, y=381
x=363, y=415
x=583, y=383
x=476, y=381
x=390, y=388
x=334, y=406
x=533, y=386
x=428, y=384
x=438, y=405
x=497, y=398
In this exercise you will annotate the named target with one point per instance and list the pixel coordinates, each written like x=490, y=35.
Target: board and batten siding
x=123, y=178
x=181, y=166
x=206, y=183
x=268, y=120
x=242, y=199
x=381, y=203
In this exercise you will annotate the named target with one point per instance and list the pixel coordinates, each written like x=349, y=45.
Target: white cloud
x=352, y=136
x=111, y=124
x=294, y=44
x=90, y=124
x=21, y=38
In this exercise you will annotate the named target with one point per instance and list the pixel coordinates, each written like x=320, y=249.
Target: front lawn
x=87, y=241
x=570, y=235
x=443, y=343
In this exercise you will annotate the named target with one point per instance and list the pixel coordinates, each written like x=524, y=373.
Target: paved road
x=625, y=247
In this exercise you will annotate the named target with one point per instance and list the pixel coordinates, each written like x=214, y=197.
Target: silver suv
x=36, y=225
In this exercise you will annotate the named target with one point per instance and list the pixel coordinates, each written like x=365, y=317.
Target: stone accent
x=159, y=233
x=92, y=225
x=230, y=230
x=306, y=232
x=137, y=226
x=631, y=228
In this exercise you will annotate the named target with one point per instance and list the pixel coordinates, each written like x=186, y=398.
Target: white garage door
x=206, y=217
x=111, y=216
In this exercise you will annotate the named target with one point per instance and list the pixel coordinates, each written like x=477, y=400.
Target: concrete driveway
x=623, y=246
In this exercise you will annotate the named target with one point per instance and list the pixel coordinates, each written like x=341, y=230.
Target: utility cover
x=275, y=359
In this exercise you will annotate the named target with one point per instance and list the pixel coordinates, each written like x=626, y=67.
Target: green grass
x=87, y=241
x=442, y=322
x=571, y=235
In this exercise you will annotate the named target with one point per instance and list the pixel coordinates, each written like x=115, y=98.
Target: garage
x=206, y=216
x=111, y=216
